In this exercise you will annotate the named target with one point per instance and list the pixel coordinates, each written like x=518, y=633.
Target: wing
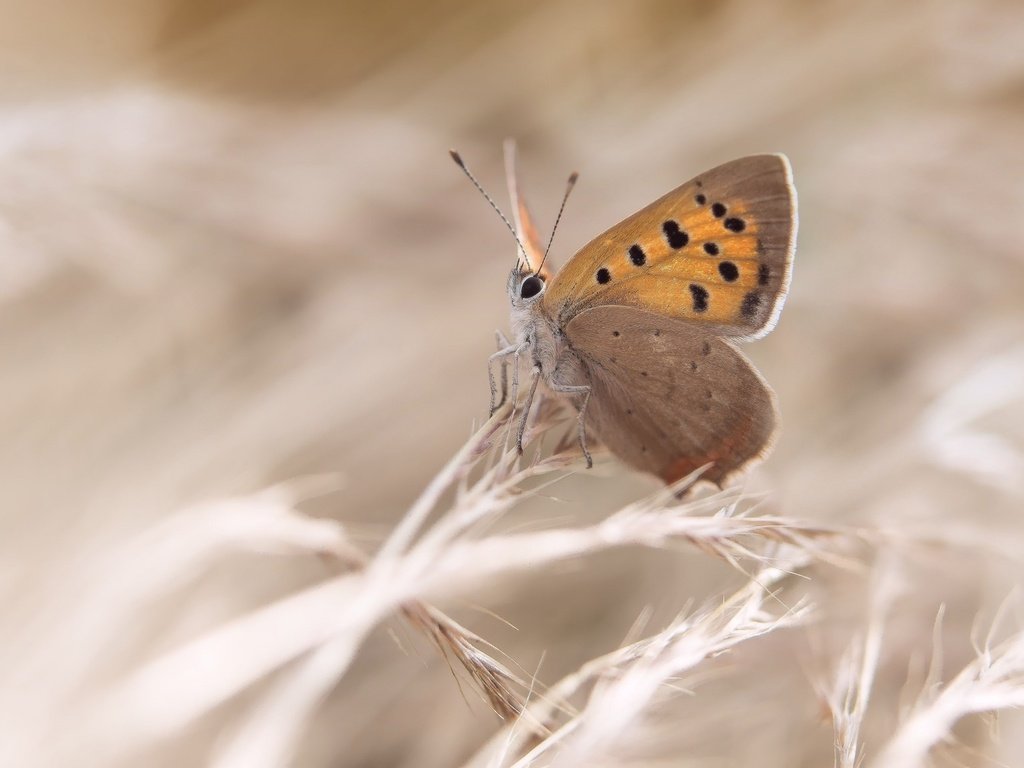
x=668, y=397
x=526, y=230
x=717, y=251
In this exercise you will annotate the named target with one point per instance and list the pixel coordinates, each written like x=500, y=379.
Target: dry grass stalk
x=418, y=561
x=627, y=681
x=849, y=695
x=993, y=681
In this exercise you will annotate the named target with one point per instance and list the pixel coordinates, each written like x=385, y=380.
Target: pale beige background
x=234, y=251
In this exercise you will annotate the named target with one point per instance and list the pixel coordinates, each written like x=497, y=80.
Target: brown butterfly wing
x=717, y=251
x=668, y=397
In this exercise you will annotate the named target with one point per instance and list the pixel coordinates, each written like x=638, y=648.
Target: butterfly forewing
x=667, y=397
x=717, y=251
x=526, y=230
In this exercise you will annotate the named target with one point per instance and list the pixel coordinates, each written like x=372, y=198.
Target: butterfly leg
x=526, y=410
x=578, y=389
x=501, y=356
x=504, y=345
x=514, y=390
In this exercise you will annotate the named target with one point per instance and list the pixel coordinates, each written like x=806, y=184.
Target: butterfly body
x=637, y=328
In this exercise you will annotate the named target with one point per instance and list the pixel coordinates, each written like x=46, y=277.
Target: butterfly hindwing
x=716, y=251
x=667, y=397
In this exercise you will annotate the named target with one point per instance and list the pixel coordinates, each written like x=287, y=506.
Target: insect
x=638, y=329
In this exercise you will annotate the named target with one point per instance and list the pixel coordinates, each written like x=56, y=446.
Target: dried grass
x=327, y=623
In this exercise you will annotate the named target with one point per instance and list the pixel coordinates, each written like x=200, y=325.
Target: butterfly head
x=525, y=288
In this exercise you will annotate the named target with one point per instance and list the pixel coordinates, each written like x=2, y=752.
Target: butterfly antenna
x=461, y=163
x=568, y=188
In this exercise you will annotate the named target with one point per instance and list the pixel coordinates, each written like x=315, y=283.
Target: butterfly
x=639, y=328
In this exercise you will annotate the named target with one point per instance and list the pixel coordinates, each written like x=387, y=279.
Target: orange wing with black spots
x=716, y=251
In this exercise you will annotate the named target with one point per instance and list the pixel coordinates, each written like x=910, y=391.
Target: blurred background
x=234, y=252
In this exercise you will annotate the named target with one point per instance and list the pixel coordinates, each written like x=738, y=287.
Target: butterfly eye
x=531, y=287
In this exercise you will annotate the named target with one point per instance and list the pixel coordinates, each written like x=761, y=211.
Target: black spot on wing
x=675, y=236
x=751, y=303
x=729, y=271
x=699, y=294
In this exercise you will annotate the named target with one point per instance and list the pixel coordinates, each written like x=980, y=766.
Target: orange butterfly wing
x=717, y=250
x=526, y=230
